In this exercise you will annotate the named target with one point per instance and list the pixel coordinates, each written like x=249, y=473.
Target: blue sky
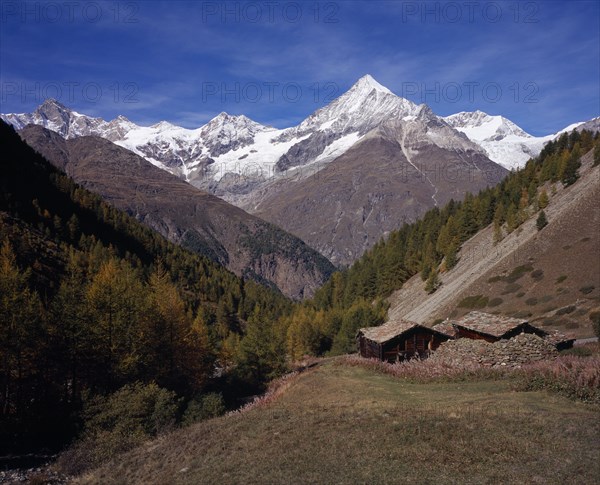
x=537, y=63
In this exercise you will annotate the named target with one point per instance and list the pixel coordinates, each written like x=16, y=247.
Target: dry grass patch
x=351, y=424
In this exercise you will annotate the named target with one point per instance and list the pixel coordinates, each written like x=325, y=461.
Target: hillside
x=550, y=276
x=92, y=300
x=198, y=221
x=339, y=424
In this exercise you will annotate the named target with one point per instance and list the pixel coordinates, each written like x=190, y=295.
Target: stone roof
x=486, y=323
x=557, y=337
x=446, y=327
x=387, y=331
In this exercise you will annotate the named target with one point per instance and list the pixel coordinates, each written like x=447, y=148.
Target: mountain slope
x=395, y=174
x=199, y=221
x=551, y=276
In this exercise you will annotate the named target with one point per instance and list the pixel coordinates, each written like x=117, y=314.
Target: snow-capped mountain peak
x=504, y=142
x=163, y=126
x=367, y=83
x=365, y=105
x=484, y=126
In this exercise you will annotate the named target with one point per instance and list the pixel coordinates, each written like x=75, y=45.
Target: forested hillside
x=91, y=300
x=430, y=246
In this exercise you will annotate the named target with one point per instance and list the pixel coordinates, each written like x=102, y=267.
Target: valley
x=303, y=242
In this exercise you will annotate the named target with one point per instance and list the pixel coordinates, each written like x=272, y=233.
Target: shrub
x=477, y=301
x=119, y=422
x=572, y=376
x=511, y=288
x=537, y=275
x=204, y=407
x=427, y=370
x=531, y=301
x=495, y=302
x=561, y=278
x=587, y=289
x=566, y=310
x=518, y=272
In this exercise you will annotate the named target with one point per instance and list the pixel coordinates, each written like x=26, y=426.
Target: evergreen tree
x=20, y=334
x=543, y=199
x=498, y=236
x=541, y=221
x=570, y=172
x=433, y=282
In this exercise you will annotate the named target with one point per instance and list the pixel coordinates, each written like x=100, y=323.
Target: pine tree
x=171, y=329
x=543, y=199
x=498, y=236
x=541, y=221
x=512, y=218
x=433, y=282
x=21, y=333
x=570, y=172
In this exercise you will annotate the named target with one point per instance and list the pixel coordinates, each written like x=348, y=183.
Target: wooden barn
x=491, y=328
x=398, y=340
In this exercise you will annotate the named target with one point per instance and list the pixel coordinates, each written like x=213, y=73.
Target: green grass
x=341, y=424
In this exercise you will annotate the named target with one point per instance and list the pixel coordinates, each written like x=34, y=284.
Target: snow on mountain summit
x=365, y=105
x=234, y=144
x=504, y=142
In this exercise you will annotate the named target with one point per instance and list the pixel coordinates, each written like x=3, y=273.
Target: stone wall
x=514, y=352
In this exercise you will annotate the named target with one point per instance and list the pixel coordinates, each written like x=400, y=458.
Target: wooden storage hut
x=398, y=340
x=491, y=328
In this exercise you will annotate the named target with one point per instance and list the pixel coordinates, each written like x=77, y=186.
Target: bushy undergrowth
x=119, y=422
x=572, y=376
x=569, y=375
x=416, y=370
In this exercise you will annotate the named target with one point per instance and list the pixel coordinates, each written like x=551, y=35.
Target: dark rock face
x=306, y=150
x=197, y=220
